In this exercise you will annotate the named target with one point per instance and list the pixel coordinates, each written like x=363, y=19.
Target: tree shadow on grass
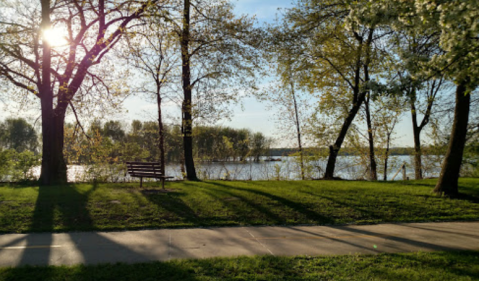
x=174, y=204
x=242, y=207
x=65, y=208
x=310, y=215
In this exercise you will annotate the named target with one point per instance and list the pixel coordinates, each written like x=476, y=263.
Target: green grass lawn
x=463, y=265
x=221, y=203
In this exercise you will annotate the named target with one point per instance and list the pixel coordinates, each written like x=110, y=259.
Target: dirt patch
x=115, y=202
x=231, y=198
x=6, y=202
x=157, y=191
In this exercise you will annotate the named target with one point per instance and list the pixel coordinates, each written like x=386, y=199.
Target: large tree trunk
x=53, y=170
x=334, y=149
x=187, y=124
x=448, y=179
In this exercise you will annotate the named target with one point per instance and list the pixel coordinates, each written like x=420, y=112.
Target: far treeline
x=345, y=151
x=116, y=142
x=346, y=73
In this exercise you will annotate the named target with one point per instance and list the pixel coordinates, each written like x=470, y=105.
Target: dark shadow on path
x=65, y=206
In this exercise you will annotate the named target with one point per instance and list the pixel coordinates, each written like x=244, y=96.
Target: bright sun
x=56, y=37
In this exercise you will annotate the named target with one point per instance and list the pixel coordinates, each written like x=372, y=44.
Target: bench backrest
x=144, y=169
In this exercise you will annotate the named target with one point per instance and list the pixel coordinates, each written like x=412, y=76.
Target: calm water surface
x=287, y=169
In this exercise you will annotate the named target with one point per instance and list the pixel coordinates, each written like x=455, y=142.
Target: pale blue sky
x=253, y=114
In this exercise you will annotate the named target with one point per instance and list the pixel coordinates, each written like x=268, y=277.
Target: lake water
x=287, y=169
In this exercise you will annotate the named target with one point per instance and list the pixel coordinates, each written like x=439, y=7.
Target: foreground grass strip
x=85, y=207
x=463, y=265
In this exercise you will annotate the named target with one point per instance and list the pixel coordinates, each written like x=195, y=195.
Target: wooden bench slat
x=143, y=169
x=142, y=163
x=146, y=175
x=146, y=170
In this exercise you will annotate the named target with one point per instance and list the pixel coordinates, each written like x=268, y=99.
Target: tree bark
x=53, y=169
x=373, y=174
x=187, y=122
x=298, y=128
x=448, y=179
x=334, y=149
x=161, y=138
x=417, y=142
x=358, y=99
x=386, y=157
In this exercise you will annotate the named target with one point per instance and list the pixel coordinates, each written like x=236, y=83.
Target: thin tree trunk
x=448, y=179
x=386, y=157
x=298, y=129
x=161, y=142
x=187, y=124
x=417, y=143
x=373, y=175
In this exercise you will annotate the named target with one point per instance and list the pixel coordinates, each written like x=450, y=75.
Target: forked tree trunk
x=358, y=99
x=187, y=124
x=417, y=142
x=448, y=179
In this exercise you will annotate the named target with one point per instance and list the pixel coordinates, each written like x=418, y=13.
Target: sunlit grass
x=222, y=203
x=461, y=265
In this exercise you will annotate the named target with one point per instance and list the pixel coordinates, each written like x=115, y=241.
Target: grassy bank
x=462, y=265
x=80, y=207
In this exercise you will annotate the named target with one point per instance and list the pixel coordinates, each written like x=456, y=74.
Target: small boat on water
x=272, y=159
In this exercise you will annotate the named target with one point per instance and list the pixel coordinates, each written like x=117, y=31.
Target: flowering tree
x=457, y=25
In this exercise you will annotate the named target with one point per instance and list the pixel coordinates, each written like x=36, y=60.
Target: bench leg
x=163, y=183
x=141, y=182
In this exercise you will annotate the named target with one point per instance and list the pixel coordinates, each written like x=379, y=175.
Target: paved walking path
x=166, y=244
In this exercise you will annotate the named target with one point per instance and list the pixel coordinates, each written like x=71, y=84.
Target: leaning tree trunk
x=448, y=179
x=187, y=124
x=298, y=129
x=334, y=149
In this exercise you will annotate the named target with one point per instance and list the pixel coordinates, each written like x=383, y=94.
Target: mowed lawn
x=80, y=207
x=462, y=265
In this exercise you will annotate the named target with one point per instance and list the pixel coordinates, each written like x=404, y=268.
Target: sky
x=253, y=114
x=250, y=114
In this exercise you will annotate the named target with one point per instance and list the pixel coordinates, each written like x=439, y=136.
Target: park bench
x=146, y=170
